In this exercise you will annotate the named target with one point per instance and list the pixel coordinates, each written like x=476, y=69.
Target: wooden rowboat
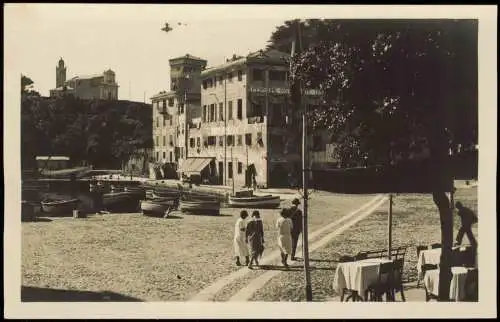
x=159, y=206
x=120, y=200
x=203, y=207
x=259, y=202
x=60, y=206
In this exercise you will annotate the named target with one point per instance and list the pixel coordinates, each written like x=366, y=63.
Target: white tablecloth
x=357, y=275
x=457, y=285
x=433, y=256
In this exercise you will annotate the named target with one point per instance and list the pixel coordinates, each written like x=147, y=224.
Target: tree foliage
x=103, y=133
x=390, y=87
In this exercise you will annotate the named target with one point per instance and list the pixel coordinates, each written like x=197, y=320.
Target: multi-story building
x=99, y=86
x=248, y=126
x=172, y=111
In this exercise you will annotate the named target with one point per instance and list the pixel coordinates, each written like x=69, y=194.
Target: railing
x=255, y=119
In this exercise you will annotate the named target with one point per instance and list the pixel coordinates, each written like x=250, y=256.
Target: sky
x=128, y=39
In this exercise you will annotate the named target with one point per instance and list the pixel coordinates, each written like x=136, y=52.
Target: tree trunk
x=445, y=213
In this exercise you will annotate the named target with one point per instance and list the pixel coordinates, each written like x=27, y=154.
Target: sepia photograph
x=249, y=161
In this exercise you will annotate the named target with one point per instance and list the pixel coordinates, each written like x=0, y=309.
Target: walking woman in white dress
x=284, y=226
x=240, y=245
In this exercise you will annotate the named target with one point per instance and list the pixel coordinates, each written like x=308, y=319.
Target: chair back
x=428, y=267
x=398, y=270
x=421, y=248
x=435, y=245
x=346, y=258
x=385, y=269
x=471, y=285
x=360, y=256
x=399, y=252
x=376, y=253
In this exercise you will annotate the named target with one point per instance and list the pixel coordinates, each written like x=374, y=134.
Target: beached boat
x=136, y=190
x=120, y=199
x=60, y=206
x=157, y=193
x=203, y=207
x=249, y=200
x=159, y=206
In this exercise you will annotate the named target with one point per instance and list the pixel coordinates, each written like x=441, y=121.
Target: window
x=240, y=109
x=170, y=140
x=191, y=142
x=170, y=121
x=170, y=102
x=221, y=141
x=158, y=156
x=215, y=112
x=240, y=75
x=204, y=113
x=181, y=108
x=221, y=111
x=164, y=155
x=248, y=139
x=164, y=104
x=164, y=121
x=157, y=141
x=211, y=140
x=240, y=167
x=170, y=156
x=212, y=112
x=277, y=75
x=157, y=122
x=240, y=139
x=259, y=139
x=215, y=81
x=230, y=77
x=230, y=140
x=164, y=140
x=182, y=152
x=198, y=141
x=230, y=110
x=230, y=170
x=258, y=74
x=204, y=84
x=221, y=79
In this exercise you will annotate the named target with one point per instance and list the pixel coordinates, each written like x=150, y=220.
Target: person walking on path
x=468, y=218
x=296, y=217
x=284, y=226
x=255, y=238
x=240, y=246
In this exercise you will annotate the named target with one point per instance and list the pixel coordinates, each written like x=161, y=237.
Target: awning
x=195, y=165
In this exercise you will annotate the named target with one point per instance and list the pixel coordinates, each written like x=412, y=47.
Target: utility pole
x=305, y=174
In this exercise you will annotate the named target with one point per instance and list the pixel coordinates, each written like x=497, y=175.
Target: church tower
x=60, y=74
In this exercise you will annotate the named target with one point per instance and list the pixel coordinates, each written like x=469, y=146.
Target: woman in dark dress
x=255, y=238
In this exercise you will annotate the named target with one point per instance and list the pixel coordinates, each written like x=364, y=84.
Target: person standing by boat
x=296, y=216
x=255, y=238
x=284, y=226
x=240, y=245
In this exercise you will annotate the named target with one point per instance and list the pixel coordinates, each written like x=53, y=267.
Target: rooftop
x=269, y=56
x=188, y=56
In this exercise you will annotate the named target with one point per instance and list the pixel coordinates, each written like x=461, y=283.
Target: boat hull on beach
x=257, y=202
x=201, y=207
x=159, y=207
x=60, y=207
x=120, y=200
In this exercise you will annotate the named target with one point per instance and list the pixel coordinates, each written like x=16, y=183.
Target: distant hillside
x=102, y=132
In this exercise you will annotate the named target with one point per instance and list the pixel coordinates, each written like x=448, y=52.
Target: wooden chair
x=428, y=295
x=399, y=252
x=376, y=290
x=435, y=245
x=471, y=286
x=397, y=283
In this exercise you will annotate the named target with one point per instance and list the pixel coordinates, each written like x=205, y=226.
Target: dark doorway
x=278, y=178
x=221, y=173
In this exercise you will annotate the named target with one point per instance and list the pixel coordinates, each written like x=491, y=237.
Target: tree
x=391, y=88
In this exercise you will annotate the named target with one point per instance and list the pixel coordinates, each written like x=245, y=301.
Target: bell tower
x=60, y=73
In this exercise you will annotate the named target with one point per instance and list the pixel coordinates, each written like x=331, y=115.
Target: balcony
x=255, y=119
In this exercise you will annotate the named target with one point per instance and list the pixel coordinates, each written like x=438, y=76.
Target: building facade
x=173, y=111
x=99, y=86
x=241, y=127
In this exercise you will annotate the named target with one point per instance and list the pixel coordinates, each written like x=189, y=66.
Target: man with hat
x=296, y=216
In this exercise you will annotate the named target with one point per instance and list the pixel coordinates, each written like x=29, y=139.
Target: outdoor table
x=457, y=285
x=357, y=275
x=433, y=256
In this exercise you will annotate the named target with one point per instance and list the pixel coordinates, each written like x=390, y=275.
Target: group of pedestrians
x=249, y=236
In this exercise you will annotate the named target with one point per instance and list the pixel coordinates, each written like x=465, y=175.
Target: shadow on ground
x=38, y=294
x=36, y=219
